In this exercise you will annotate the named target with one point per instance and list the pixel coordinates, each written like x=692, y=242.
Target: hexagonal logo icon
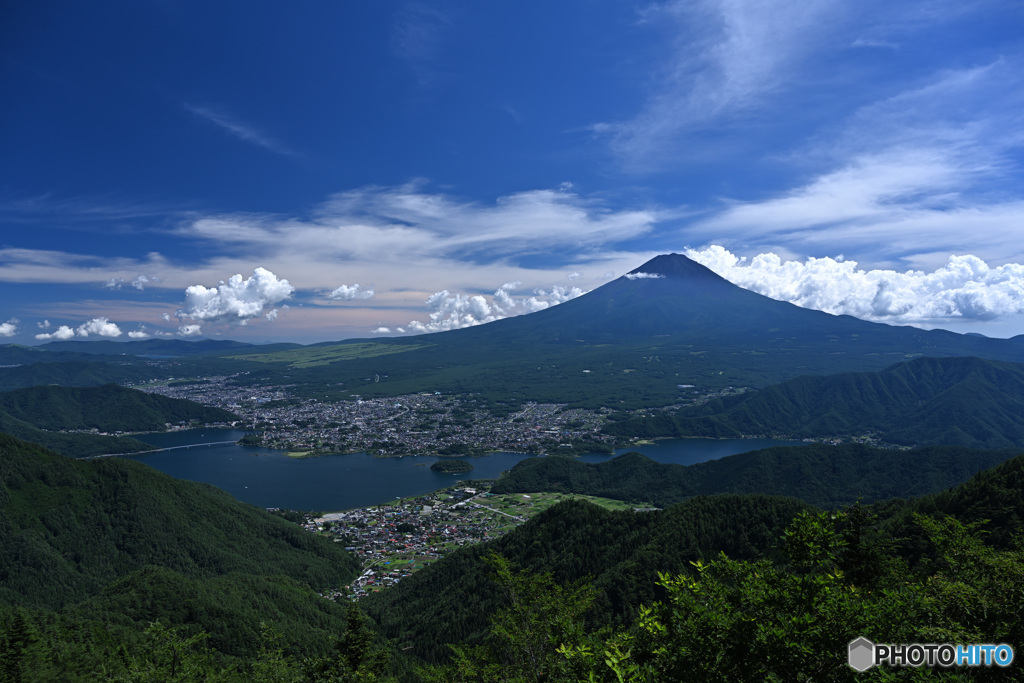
x=861, y=655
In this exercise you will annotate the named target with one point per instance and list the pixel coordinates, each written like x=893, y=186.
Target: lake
x=269, y=478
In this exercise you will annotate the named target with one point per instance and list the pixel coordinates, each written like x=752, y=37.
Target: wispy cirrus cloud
x=730, y=71
x=910, y=178
x=407, y=226
x=417, y=36
x=725, y=57
x=241, y=130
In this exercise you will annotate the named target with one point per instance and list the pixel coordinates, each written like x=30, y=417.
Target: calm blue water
x=269, y=478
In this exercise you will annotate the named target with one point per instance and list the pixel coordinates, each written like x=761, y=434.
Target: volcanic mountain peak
x=675, y=266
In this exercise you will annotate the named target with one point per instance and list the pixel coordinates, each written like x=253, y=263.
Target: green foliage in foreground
x=822, y=475
x=451, y=601
x=38, y=646
x=742, y=620
x=722, y=620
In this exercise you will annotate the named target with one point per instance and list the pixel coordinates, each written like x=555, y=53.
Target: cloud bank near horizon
x=455, y=311
x=964, y=289
x=98, y=326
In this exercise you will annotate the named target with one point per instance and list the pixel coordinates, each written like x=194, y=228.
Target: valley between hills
x=898, y=521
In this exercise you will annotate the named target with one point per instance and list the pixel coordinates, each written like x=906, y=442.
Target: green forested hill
x=822, y=475
x=954, y=401
x=891, y=558
x=451, y=601
x=35, y=414
x=68, y=528
x=994, y=499
x=96, y=552
x=108, y=408
x=71, y=445
x=75, y=373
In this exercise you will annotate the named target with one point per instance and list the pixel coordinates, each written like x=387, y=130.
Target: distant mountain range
x=957, y=401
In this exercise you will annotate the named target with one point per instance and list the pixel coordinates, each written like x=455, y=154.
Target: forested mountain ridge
x=878, y=571
x=36, y=414
x=823, y=475
x=70, y=527
x=92, y=371
x=968, y=402
x=97, y=552
x=206, y=574
x=107, y=408
x=71, y=445
x=621, y=552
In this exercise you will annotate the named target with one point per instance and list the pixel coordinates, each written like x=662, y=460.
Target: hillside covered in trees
x=37, y=414
x=114, y=572
x=967, y=402
x=96, y=550
x=818, y=474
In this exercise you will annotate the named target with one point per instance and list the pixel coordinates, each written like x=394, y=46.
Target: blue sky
x=329, y=170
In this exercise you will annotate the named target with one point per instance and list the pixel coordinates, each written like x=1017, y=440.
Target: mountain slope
x=825, y=476
x=619, y=551
x=450, y=601
x=37, y=414
x=955, y=401
x=71, y=445
x=68, y=528
x=108, y=408
x=76, y=372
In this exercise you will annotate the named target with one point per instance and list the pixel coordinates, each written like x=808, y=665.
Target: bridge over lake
x=169, y=448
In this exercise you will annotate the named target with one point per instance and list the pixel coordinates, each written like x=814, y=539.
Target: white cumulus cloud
x=189, y=330
x=236, y=300
x=138, y=334
x=9, y=328
x=61, y=333
x=643, y=276
x=965, y=288
x=138, y=283
x=347, y=293
x=141, y=281
x=98, y=326
x=454, y=311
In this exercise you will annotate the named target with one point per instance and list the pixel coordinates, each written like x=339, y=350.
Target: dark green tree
x=539, y=617
x=357, y=658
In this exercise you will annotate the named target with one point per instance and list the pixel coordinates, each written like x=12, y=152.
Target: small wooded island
x=452, y=466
